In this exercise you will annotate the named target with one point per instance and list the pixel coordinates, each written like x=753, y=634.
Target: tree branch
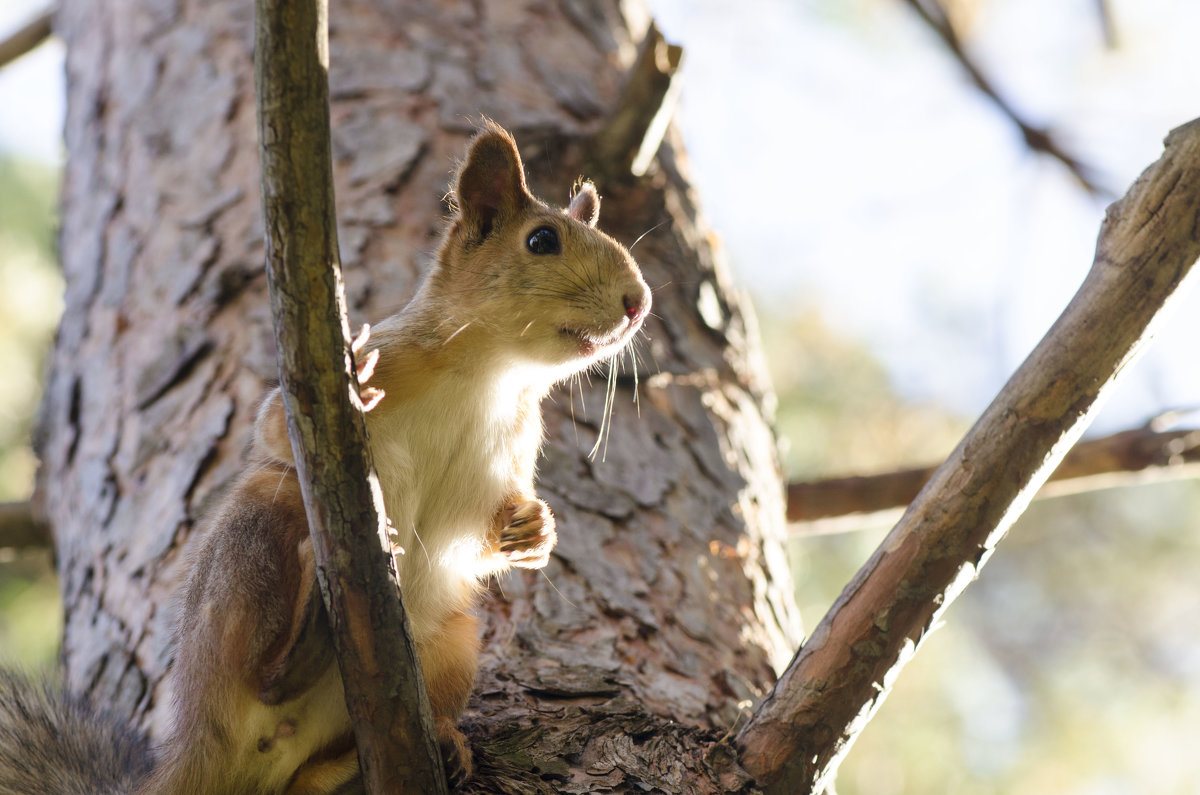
x=814, y=506
x=1142, y=454
x=18, y=528
x=634, y=130
x=27, y=37
x=1107, y=27
x=1147, y=246
x=385, y=691
x=1036, y=138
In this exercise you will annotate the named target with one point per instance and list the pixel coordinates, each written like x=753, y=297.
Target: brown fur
x=258, y=703
x=61, y=745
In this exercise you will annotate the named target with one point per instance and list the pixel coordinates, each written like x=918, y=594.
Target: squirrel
x=520, y=297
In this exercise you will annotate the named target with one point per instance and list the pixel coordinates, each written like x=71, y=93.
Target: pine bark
x=667, y=602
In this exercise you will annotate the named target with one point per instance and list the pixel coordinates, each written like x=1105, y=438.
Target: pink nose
x=635, y=307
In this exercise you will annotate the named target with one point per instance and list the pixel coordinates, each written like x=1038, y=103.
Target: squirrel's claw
x=527, y=536
x=366, y=368
x=370, y=397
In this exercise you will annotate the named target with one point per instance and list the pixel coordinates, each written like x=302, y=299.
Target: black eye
x=543, y=240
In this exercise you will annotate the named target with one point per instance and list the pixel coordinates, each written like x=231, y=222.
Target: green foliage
x=1071, y=666
x=30, y=618
x=27, y=204
x=837, y=411
x=30, y=303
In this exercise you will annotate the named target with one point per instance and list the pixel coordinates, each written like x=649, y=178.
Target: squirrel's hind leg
x=449, y=660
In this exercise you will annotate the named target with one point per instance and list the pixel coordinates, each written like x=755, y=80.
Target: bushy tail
x=53, y=744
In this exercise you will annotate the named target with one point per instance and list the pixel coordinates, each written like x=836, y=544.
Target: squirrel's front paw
x=365, y=367
x=527, y=534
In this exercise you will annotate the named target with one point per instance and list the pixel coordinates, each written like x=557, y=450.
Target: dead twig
x=1036, y=138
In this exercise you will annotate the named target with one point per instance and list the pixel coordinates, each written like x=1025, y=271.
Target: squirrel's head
x=538, y=284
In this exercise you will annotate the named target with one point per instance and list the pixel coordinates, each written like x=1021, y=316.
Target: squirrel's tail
x=55, y=743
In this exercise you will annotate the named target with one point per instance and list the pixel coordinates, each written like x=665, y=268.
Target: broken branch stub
x=634, y=130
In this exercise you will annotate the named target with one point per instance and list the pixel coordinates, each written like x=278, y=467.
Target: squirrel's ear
x=491, y=184
x=585, y=204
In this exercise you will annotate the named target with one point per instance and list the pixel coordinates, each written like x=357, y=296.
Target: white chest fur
x=448, y=458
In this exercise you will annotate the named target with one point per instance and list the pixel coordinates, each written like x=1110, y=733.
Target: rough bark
x=667, y=602
x=1147, y=246
x=376, y=654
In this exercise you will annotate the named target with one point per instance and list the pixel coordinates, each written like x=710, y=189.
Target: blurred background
x=906, y=248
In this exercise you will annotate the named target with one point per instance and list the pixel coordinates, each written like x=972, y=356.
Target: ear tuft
x=585, y=204
x=491, y=183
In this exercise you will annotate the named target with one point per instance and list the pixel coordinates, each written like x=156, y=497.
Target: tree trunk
x=667, y=602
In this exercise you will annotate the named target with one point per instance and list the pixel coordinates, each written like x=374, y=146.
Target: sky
x=31, y=91
x=850, y=167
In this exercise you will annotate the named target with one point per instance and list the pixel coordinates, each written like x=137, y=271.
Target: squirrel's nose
x=635, y=307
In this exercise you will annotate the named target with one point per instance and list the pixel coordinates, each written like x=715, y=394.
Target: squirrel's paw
x=365, y=368
x=456, y=752
x=527, y=534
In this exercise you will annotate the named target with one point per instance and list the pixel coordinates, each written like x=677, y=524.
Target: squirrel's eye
x=543, y=240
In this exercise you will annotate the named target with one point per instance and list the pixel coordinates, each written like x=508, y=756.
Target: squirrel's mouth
x=589, y=342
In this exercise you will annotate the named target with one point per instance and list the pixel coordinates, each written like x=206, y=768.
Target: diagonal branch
x=1147, y=246
x=385, y=691
x=1036, y=138
x=27, y=37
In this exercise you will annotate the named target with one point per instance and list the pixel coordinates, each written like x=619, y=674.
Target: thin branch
x=1120, y=459
x=1036, y=138
x=634, y=130
x=27, y=37
x=1147, y=246
x=1107, y=27
x=385, y=691
x=837, y=505
x=19, y=529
